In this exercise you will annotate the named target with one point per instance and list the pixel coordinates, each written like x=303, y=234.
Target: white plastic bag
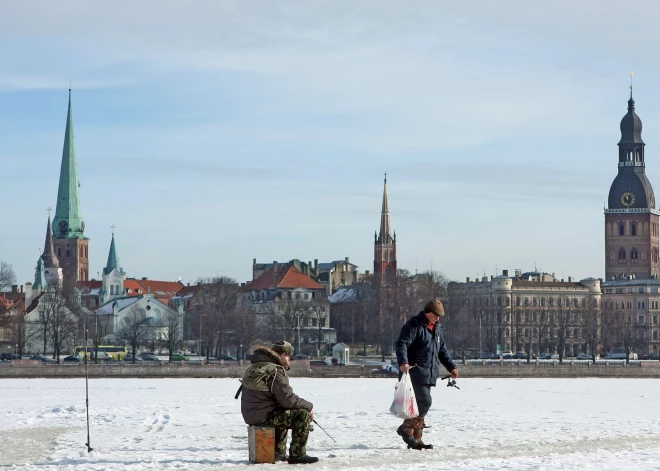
x=404, y=404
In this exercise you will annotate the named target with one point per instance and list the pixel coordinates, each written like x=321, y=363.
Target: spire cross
x=113, y=227
x=49, y=209
x=385, y=177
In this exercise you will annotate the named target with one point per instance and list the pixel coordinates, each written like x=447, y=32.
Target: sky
x=214, y=132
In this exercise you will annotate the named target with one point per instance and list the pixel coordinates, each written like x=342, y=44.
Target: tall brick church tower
x=631, y=220
x=69, y=240
x=385, y=245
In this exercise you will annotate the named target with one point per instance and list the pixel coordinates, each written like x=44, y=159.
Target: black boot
x=280, y=457
x=302, y=459
x=417, y=434
x=409, y=439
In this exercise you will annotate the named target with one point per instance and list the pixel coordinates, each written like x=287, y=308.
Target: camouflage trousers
x=414, y=427
x=298, y=420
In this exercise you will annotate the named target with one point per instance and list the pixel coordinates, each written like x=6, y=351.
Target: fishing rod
x=314, y=420
x=89, y=447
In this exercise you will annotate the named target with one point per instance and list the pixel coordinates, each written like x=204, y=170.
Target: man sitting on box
x=269, y=401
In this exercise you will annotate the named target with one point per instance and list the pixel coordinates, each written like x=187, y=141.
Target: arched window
x=622, y=254
x=612, y=256
x=388, y=272
x=117, y=290
x=112, y=290
x=622, y=230
x=68, y=252
x=59, y=252
x=633, y=254
x=633, y=228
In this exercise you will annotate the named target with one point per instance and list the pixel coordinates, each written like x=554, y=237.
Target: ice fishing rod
x=314, y=420
x=89, y=447
x=451, y=383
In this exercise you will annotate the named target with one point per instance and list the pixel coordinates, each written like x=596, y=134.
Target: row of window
x=634, y=254
x=83, y=251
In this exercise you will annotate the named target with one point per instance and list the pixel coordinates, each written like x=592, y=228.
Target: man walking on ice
x=419, y=351
x=269, y=401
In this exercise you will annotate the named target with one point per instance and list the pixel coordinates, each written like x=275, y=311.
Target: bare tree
x=591, y=326
x=246, y=329
x=134, y=329
x=19, y=334
x=285, y=319
x=219, y=300
x=171, y=332
x=562, y=322
x=7, y=276
x=60, y=322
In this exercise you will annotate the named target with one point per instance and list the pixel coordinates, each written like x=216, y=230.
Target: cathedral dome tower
x=631, y=220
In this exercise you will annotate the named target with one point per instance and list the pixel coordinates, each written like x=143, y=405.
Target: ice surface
x=195, y=424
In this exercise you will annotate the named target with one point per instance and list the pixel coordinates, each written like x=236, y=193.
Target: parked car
x=520, y=356
x=72, y=359
x=226, y=357
x=456, y=356
x=548, y=356
x=583, y=356
x=9, y=356
x=105, y=356
x=386, y=370
x=148, y=357
x=141, y=354
x=42, y=358
x=179, y=357
x=487, y=356
x=300, y=356
x=320, y=362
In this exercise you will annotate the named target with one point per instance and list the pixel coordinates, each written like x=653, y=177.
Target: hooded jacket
x=266, y=387
x=418, y=345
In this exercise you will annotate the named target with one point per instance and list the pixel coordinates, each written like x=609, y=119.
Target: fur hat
x=282, y=347
x=435, y=306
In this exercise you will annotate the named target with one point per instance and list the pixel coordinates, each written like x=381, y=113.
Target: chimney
x=14, y=288
x=505, y=273
x=518, y=273
x=316, y=267
x=484, y=279
x=467, y=280
x=275, y=269
x=145, y=278
x=189, y=283
x=346, y=259
x=21, y=288
x=570, y=279
x=254, y=263
x=366, y=273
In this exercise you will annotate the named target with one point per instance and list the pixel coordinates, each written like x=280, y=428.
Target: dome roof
x=635, y=183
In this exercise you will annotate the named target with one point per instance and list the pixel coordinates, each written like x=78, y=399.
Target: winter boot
x=302, y=459
x=418, y=431
x=280, y=457
x=405, y=431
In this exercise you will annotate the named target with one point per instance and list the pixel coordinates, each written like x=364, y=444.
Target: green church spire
x=68, y=222
x=113, y=259
x=39, y=276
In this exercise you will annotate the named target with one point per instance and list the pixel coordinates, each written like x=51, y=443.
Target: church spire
x=68, y=220
x=49, y=257
x=113, y=259
x=39, y=276
x=385, y=236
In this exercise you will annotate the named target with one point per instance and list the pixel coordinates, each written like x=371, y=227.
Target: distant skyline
x=211, y=133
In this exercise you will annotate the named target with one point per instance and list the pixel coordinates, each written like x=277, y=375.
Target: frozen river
x=150, y=424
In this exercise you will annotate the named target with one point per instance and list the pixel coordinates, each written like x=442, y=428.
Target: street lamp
x=240, y=355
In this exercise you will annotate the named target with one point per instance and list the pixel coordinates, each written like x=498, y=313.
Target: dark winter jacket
x=266, y=387
x=418, y=345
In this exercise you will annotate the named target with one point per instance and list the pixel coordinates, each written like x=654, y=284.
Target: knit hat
x=282, y=346
x=435, y=306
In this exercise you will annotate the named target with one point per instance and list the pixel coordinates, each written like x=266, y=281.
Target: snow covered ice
x=516, y=424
